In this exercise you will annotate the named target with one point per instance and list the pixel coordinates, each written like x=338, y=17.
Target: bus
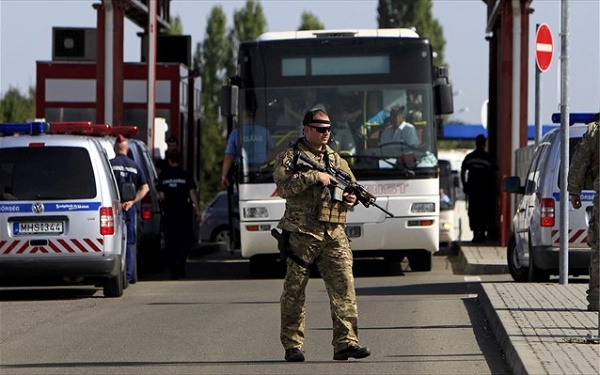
x=365, y=80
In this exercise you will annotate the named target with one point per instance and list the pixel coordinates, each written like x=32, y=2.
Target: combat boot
x=353, y=351
x=294, y=355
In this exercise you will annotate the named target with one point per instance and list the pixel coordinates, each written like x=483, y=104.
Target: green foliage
x=215, y=59
x=249, y=22
x=176, y=26
x=212, y=59
x=16, y=107
x=414, y=14
x=308, y=21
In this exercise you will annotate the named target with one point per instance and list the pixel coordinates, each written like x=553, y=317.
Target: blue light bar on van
x=575, y=118
x=24, y=128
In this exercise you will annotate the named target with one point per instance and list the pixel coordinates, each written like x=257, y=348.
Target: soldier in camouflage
x=583, y=172
x=316, y=223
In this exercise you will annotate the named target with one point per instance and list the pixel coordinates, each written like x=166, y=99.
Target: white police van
x=533, y=248
x=60, y=215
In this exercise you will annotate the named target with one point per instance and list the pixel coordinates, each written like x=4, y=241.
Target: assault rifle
x=344, y=181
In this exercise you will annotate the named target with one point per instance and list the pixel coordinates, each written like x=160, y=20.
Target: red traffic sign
x=544, y=47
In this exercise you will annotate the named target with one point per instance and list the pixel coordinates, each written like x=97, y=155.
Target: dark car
x=149, y=220
x=149, y=252
x=214, y=226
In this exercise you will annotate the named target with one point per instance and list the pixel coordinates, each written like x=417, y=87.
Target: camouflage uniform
x=317, y=236
x=583, y=174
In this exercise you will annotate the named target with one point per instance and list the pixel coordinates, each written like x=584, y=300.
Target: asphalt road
x=222, y=321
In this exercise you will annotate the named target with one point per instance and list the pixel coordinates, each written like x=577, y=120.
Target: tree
x=211, y=58
x=308, y=21
x=248, y=23
x=176, y=26
x=15, y=107
x=417, y=14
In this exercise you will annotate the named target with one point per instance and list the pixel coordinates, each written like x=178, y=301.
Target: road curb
x=476, y=261
x=518, y=353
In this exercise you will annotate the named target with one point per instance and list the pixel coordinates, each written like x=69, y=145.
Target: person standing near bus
x=128, y=171
x=178, y=194
x=477, y=176
x=257, y=143
x=316, y=227
x=585, y=163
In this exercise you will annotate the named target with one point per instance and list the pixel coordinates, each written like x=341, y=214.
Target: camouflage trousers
x=593, y=291
x=333, y=259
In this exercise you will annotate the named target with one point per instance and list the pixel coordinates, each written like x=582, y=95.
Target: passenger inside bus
x=399, y=133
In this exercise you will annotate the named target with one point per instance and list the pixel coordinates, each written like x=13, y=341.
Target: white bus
x=365, y=79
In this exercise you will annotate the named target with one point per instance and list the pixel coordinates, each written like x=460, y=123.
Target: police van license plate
x=38, y=228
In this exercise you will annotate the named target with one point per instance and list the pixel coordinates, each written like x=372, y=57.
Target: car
x=149, y=249
x=60, y=216
x=533, y=247
x=214, y=224
x=449, y=223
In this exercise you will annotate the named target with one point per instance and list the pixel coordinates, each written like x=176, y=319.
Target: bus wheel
x=420, y=260
x=263, y=266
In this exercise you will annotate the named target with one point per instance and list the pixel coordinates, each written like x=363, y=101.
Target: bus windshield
x=383, y=131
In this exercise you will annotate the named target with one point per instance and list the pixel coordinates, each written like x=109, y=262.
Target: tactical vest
x=327, y=210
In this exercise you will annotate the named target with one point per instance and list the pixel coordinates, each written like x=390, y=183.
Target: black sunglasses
x=320, y=129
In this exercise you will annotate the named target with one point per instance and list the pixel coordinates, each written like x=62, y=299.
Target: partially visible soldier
x=584, y=167
x=316, y=227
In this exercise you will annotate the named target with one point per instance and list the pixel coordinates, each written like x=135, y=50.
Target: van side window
x=533, y=175
x=573, y=143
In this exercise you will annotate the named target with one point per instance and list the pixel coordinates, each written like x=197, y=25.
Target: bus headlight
x=255, y=212
x=425, y=207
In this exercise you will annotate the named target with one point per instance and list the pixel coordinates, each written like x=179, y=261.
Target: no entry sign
x=544, y=47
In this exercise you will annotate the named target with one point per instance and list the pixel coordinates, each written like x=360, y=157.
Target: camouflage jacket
x=308, y=207
x=583, y=171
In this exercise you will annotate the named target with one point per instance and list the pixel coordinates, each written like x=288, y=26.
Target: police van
x=533, y=247
x=60, y=215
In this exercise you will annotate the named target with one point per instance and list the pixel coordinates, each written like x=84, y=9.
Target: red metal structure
x=76, y=87
x=508, y=34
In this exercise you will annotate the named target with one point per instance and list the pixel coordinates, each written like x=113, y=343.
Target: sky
x=26, y=37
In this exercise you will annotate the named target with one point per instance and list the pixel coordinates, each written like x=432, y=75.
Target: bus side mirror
x=229, y=101
x=444, y=99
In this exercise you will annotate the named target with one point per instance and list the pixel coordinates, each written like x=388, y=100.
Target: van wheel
x=420, y=260
x=537, y=275
x=517, y=270
x=113, y=286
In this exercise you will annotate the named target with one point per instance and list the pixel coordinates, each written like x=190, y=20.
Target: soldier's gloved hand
x=326, y=179
x=576, y=201
x=349, y=199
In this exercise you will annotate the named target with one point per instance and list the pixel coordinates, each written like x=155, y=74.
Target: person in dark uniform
x=127, y=170
x=172, y=145
x=178, y=194
x=477, y=176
